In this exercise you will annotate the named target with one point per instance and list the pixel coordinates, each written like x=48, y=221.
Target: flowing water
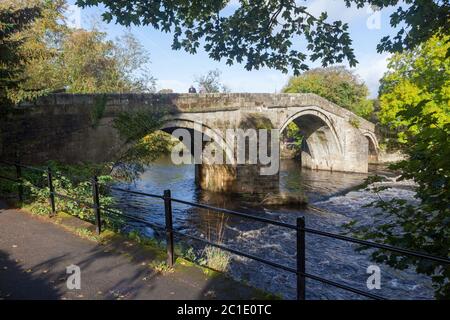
x=334, y=199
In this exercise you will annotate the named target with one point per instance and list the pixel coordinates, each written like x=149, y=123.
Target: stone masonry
x=79, y=128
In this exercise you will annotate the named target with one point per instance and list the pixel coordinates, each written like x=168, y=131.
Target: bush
x=216, y=258
x=70, y=181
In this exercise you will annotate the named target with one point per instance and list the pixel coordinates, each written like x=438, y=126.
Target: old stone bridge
x=79, y=128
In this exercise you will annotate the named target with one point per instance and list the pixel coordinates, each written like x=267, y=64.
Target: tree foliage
x=40, y=50
x=55, y=57
x=414, y=76
x=211, y=82
x=423, y=226
x=13, y=21
x=266, y=32
x=144, y=142
x=92, y=64
x=337, y=84
x=292, y=134
x=415, y=97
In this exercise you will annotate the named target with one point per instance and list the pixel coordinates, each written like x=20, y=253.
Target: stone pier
x=80, y=128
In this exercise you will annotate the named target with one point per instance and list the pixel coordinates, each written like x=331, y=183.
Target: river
x=334, y=199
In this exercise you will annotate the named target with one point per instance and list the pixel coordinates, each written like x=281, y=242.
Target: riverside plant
x=213, y=257
x=75, y=182
x=68, y=180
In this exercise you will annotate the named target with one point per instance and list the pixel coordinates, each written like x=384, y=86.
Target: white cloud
x=371, y=69
x=336, y=9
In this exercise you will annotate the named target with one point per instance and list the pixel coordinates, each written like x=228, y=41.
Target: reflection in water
x=334, y=199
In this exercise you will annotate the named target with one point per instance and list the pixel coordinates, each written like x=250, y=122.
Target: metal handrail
x=236, y=213
x=137, y=192
x=22, y=165
x=378, y=245
x=308, y=230
x=321, y=233
x=301, y=230
x=290, y=226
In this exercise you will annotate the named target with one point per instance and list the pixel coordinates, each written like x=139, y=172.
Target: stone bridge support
x=80, y=128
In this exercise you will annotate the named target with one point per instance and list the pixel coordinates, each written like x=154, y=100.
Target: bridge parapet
x=67, y=127
x=198, y=102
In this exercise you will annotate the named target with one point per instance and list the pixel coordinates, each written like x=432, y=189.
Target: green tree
x=211, y=82
x=414, y=76
x=422, y=226
x=266, y=32
x=88, y=65
x=56, y=57
x=292, y=134
x=41, y=50
x=133, y=63
x=13, y=21
x=415, y=96
x=337, y=84
x=144, y=141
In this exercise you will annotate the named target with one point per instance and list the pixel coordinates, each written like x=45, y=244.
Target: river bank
x=36, y=250
x=334, y=199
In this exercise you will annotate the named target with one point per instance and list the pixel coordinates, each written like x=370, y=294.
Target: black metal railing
x=300, y=228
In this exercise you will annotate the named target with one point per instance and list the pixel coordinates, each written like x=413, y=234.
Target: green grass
x=161, y=267
x=216, y=259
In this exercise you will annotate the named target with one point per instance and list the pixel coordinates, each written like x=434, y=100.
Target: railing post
x=52, y=191
x=301, y=257
x=169, y=227
x=96, y=201
x=19, y=179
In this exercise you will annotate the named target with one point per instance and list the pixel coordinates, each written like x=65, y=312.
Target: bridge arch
x=214, y=136
x=64, y=121
x=321, y=145
x=213, y=177
x=372, y=139
x=373, y=147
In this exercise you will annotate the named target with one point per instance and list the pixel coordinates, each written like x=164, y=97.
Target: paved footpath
x=34, y=254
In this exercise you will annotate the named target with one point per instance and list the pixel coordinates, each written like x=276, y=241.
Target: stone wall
x=79, y=128
x=390, y=157
x=67, y=133
x=63, y=126
x=236, y=179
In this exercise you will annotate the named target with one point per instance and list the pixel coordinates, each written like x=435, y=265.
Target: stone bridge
x=79, y=128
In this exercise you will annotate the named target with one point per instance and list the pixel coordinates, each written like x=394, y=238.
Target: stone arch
x=213, y=177
x=215, y=135
x=321, y=145
x=372, y=138
x=372, y=145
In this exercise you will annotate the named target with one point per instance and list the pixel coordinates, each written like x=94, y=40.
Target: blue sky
x=177, y=69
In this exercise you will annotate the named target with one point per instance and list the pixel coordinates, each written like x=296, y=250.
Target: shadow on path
x=35, y=253
x=16, y=283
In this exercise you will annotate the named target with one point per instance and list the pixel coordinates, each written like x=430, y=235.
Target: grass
x=213, y=262
x=217, y=259
x=86, y=234
x=161, y=267
x=213, y=257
